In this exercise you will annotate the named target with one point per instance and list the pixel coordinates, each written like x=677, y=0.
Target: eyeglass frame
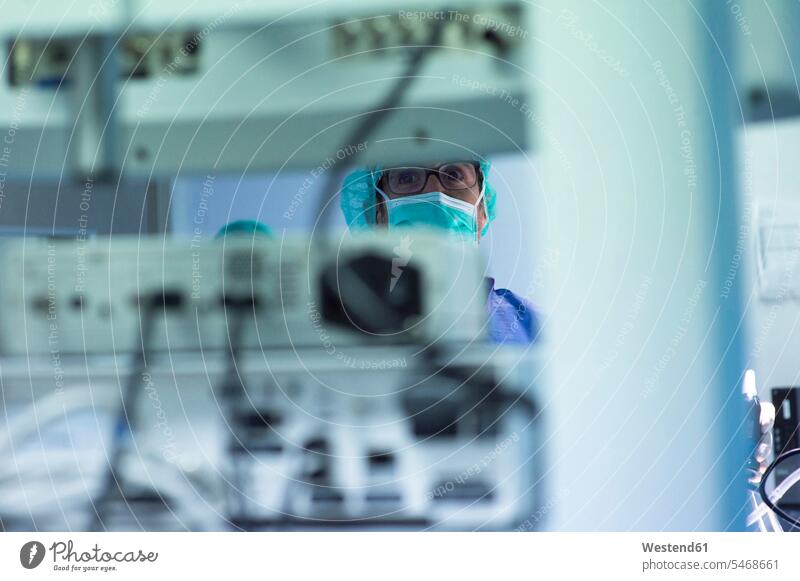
x=435, y=171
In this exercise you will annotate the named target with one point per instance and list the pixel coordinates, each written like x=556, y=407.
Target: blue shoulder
x=513, y=319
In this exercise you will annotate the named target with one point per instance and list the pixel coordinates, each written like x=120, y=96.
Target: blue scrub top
x=512, y=319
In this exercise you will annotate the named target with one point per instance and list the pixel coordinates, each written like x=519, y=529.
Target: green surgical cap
x=251, y=227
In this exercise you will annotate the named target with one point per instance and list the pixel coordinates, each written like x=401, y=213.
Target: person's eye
x=406, y=178
x=453, y=176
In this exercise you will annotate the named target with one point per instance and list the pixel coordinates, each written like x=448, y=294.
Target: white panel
x=632, y=396
x=770, y=178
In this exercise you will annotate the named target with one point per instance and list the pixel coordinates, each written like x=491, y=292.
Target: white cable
x=754, y=503
x=40, y=497
x=27, y=471
x=773, y=521
x=44, y=411
x=55, y=406
x=776, y=524
x=19, y=503
x=776, y=495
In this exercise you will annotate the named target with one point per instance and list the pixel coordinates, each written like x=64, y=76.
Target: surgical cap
x=358, y=196
x=251, y=227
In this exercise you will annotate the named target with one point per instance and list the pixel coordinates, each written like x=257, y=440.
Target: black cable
x=370, y=122
x=232, y=393
x=480, y=384
x=373, y=119
x=762, y=488
x=234, y=336
x=127, y=417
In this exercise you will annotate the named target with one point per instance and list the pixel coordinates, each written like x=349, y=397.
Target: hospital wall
x=641, y=207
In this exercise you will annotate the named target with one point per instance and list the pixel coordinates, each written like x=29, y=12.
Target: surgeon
x=455, y=197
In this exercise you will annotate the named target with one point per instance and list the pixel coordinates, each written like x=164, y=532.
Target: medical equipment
x=772, y=500
x=786, y=433
x=786, y=438
x=83, y=297
x=330, y=421
x=782, y=433
x=137, y=89
x=345, y=340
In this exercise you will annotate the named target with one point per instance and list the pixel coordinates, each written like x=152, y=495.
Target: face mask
x=434, y=209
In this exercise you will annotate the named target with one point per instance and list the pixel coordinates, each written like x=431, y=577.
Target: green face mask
x=434, y=209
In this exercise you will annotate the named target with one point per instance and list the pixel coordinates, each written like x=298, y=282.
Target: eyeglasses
x=405, y=181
